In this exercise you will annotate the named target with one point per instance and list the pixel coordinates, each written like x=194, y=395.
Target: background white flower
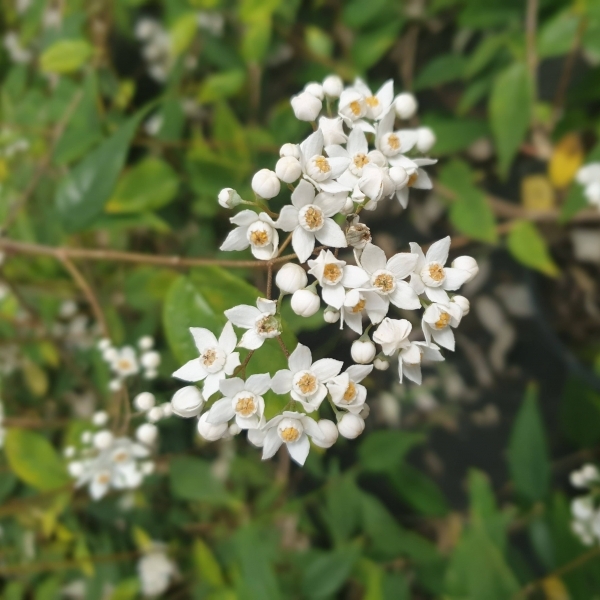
x=254, y=230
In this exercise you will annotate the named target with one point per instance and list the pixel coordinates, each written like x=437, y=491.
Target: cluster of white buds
x=18, y=53
x=586, y=509
x=127, y=361
x=156, y=570
x=358, y=158
x=74, y=327
x=104, y=461
x=589, y=177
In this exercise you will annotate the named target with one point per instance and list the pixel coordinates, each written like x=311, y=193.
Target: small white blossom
x=256, y=231
x=358, y=302
x=377, y=104
x=329, y=434
x=468, y=264
x=346, y=391
x=292, y=150
x=589, y=177
x=425, y=139
x=144, y=401
x=405, y=105
x=391, y=143
x=306, y=302
x=288, y=169
x=306, y=106
x=437, y=322
x=316, y=89
x=352, y=106
x=260, y=322
x=333, y=86
x=417, y=177
x=333, y=131
x=351, y=426
x=156, y=571
x=363, y=351
x=229, y=198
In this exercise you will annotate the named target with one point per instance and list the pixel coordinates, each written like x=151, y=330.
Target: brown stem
x=269, y=280
x=283, y=346
x=285, y=244
x=531, y=22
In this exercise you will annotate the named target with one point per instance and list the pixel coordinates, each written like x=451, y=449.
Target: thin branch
x=531, y=23
x=283, y=346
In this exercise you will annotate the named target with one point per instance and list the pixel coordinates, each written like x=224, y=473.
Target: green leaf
x=369, y=47
x=441, y=69
x=34, y=460
x=557, y=36
x=419, y=491
x=65, y=56
x=358, y=13
x=470, y=212
x=326, y=574
x=343, y=503
x=192, y=479
x=528, y=459
x=257, y=37
x=528, y=247
x=486, y=52
x=149, y=185
x=574, y=202
x=207, y=567
x=221, y=85
x=510, y=108
x=182, y=32
x=454, y=134
x=580, y=413
x=385, y=450
x=82, y=194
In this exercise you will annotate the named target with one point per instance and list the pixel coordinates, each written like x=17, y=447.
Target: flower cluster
x=356, y=159
x=156, y=570
x=589, y=177
x=586, y=509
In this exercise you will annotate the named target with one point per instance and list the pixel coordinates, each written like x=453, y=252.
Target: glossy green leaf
x=326, y=574
x=192, y=479
x=34, y=460
x=440, y=70
x=65, y=56
x=385, y=450
x=221, y=85
x=528, y=459
x=510, y=108
x=528, y=247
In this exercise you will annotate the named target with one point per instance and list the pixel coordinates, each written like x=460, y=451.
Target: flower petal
x=326, y=368
x=331, y=203
x=331, y=235
x=334, y=295
x=243, y=315
x=372, y=258
x=191, y=371
x=437, y=295
x=211, y=384
x=402, y=264
x=258, y=384
x=303, y=243
x=438, y=252
x=230, y=387
x=444, y=337
x=235, y=240
x=299, y=450
x=338, y=165
x=282, y=382
x=251, y=340
x=220, y=412
x=404, y=296
x=267, y=307
x=303, y=194
x=203, y=338
x=300, y=359
x=412, y=372
x=244, y=218
x=455, y=278
x=271, y=444
x=232, y=363
x=228, y=339
x=354, y=277
x=288, y=218
x=358, y=372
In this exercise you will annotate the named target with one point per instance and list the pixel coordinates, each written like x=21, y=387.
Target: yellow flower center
x=393, y=141
x=332, y=273
x=360, y=160
x=103, y=478
x=245, y=406
x=372, y=101
x=350, y=392
x=355, y=108
x=307, y=384
x=289, y=434
x=313, y=217
x=124, y=364
x=120, y=457
x=436, y=272
x=359, y=306
x=209, y=357
x=267, y=325
x=442, y=321
x=384, y=282
x=412, y=179
x=322, y=164
x=259, y=238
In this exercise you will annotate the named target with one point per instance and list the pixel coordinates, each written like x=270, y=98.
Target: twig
x=531, y=22
x=283, y=346
x=269, y=279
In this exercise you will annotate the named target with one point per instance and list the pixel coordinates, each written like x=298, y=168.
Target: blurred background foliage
x=460, y=489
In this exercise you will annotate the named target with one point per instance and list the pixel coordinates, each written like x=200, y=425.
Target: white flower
x=585, y=476
x=288, y=169
x=306, y=302
x=211, y=432
x=356, y=302
x=187, y=402
x=351, y=426
x=352, y=106
x=260, y=321
x=256, y=231
x=146, y=28
x=437, y=322
x=147, y=433
x=102, y=439
x=417, y=177
x=363, y=351
x=124, y=362
x=217, y=358
x=306, y=106
x=589, y=177
x=292, y=150
x=386, y=277
x=333, y=131
x=309, y=217
x=329, y=434
x=333, y=86
x=392, y=335
x=334, y=275
x=292, y=429
x=318, y=169
x=304, y=379
x=409, y=359
x=377, y=104
x=405, y=105
x=468, y=264
x=463, y=302
x=242, y=400
x=100, y=418
x=330, y=315
x=431, y=276
x=374, y=184
x=228, y=198
x=291, y=278
x=391, y=143
x=155, y=414
x=265, y=184
x=150, y=360
x=144, y=401
x=346, y=391
x=146, y=342
x=156, y=571
x=316, y=89
x=425, y=139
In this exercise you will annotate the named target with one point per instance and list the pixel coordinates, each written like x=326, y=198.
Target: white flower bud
x=103, y=439
x=155, y=414
x=110, y=354
x=147, y=433
x=464, y=304
x=69, y=452
x=331, y=315
x=365, y=412
x=167, y=409
x=150, y=374
x=351, y=426
x=399, y=176
x=348, y=207
x=305, y=302
x=333, y=86
x=292, y=150
x=314, y=88
x=582, y=508
x=306, y=107
x=211, y=432
x=86, y=437
x=363, y=351
x=291, y=278
x=405, y=105
x=381, y=364
x=150, y=360
x=187, y=402
x=329, y=434
x=466, y=263
x=425, y=139
x=378, y=158
x=577, y=479
x=288, y=169
x=228, y=198
x=146, y=342
x=590, y=473
x=266, y=184
x=100, y=418
x=104, y=344
x=234, y=429
x=75, y=468
x=144, y=401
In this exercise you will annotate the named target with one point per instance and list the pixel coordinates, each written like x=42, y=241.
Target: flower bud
x=110, y=354
x=150, y=360
x=86, y=437
x=590, y=473
x=234, y=429
x=348, y=207
x=266, y=184
x=425, y=139
x=144, y=401
x=358, y=236
x=288, y=169
x=464, y=304
x=381, y=364
x=365, y=412
x=331, y=315
x=228, y=198
x=100, y=418
x=405, y=105
x=305, y=303
x=306, y=107
x=582, y=508
x=155, y=414
x=291, y=278
x=147, y=433
x=147, y=467
x=466, y=263
x=211, y=432
x=146, y=342
x=104, y=344
x=351, y=426
x=329, y=434
x=314, y=88
x=363, y=351
x=187, y=402
x=69, y=452
x=103, y=439
x=292, y=150
x=76, y=468
x=167, y=409
x=378, y=158
x=399, y=176
x=333, y=86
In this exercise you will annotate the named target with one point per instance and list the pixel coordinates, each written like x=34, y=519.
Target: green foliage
x=528, y=246
x=65, y=56
x=192, y=479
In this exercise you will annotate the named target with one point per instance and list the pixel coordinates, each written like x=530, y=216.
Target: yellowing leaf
x=65, y=56
x=142, y=540
x=566, y=160
x=182, y=32
x=36, y=379
x=528, y=246
x=537, y=194
x=555, y=589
